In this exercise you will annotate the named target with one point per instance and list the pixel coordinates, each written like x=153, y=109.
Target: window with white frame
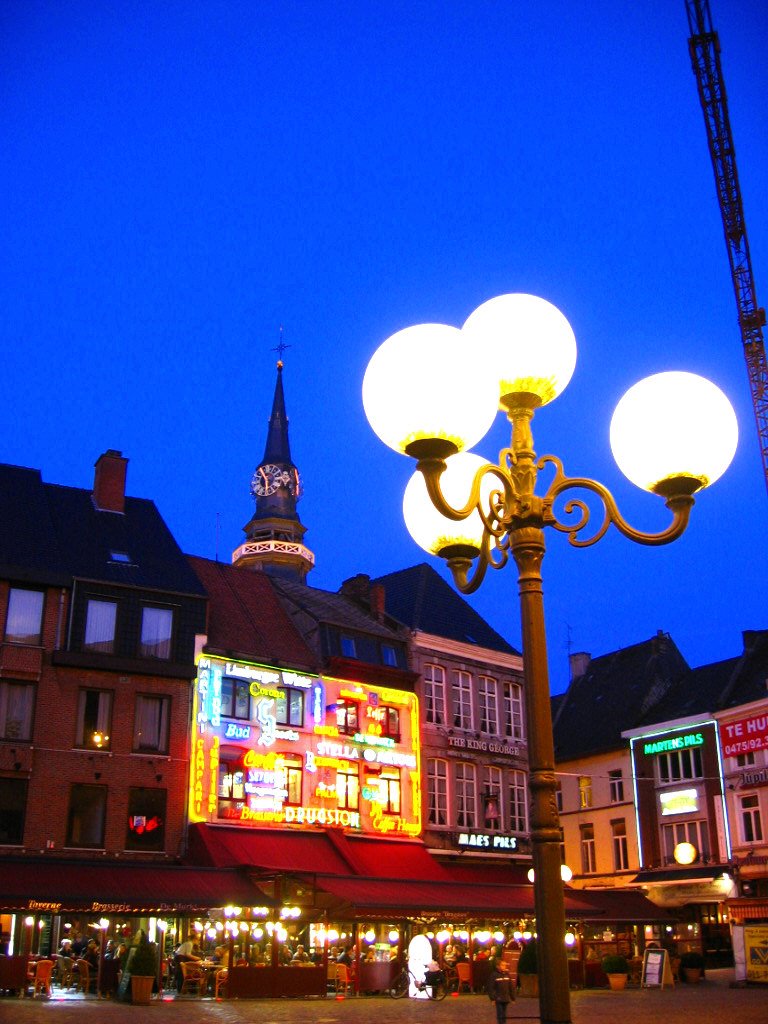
x=488, y=703
x=389, y=790
x=694, y=832
x=100, y=622
x=518, y=802
x=461, y=699
x=24, y=621
x=293, y=774
x=17, y=701
x=466, y=795
x=150, y=731
x=745, y=760
x=493, y=809
x=348, y=788
x=235, y=698
x=156, y=632
x=94, y=719
x=289, y=706
x=751, y=825
x=620, y=849
x=437, y=791
x=616, y=785
x=513, y=711
x=588, y=862
x=585, y=791
x=675, y=765
x=434, y=694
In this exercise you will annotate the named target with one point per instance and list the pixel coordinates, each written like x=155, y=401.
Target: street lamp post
x=431, y=391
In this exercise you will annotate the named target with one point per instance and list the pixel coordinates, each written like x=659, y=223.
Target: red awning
x=269, y=849
x=748, y=910
x=50, y=885
x=619, y=905
x=328, y=852
x=426, y=898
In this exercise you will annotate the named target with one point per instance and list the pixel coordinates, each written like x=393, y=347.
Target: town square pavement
x=713, y=1000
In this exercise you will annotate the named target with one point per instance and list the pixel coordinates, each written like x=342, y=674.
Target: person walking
x=499, y=989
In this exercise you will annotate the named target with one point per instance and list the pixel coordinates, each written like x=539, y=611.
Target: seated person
x=91, y=953
x=222, y=956
x=450, y=954
x=300, y=956
x=347, y=956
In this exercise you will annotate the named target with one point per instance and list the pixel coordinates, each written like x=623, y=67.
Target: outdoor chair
x=192, y=977
x=64, y=975
x=42, y=979
x=85, y=976
x=463, y=976
x=220, y=982
x=342, y=979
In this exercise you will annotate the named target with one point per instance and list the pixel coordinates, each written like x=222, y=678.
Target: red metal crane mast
x=704, y=47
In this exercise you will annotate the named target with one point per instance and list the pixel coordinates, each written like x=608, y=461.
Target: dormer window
x=120, y=556
x=348, y=648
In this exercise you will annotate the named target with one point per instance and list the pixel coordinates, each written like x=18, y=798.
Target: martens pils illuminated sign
x=272, y=747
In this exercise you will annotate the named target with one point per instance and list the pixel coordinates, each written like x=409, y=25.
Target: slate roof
x=331, y=608
x=648, y=684
x=51, y=534
x=246, y=619
x=421, y=599
x=721, y=685
x=617, y=692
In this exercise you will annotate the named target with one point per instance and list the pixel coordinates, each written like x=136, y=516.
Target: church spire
x=275, y=532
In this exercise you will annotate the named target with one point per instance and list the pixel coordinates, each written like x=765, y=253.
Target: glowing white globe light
x=565, y=873
x=422, y=386
x=570, y=939
x=429, y=528
x=527, y=341
x=685, y=853
x=674, y=426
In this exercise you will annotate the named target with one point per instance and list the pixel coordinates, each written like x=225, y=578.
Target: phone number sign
x=745, y=735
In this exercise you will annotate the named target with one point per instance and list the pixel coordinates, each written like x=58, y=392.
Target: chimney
x=579, y=663
x=378, y=599
x=357, y=588
x=109, y=481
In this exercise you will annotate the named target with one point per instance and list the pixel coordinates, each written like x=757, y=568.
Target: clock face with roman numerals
x=269, y=478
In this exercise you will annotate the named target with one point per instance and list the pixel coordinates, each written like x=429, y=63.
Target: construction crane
x=704, y=47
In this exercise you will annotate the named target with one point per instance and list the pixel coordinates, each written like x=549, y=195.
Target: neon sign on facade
x=273, y=747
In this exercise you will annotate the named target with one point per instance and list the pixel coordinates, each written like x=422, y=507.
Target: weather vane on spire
x=280, y=348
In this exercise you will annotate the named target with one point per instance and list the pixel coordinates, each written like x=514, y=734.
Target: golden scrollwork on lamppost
x=431, y=391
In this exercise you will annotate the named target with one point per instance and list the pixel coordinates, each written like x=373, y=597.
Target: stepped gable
x=422, y=600
x=246, y=619
x=613, y=694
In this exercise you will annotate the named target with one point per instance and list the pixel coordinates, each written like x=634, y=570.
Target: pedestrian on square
x=499, y=989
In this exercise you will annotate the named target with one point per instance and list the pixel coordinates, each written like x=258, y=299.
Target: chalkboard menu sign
x=657, y=971
x=124, y=988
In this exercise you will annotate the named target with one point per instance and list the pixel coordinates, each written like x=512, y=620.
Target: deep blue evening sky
x=180, y=178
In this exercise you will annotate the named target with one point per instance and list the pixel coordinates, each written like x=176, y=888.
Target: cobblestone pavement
x=711, y=1001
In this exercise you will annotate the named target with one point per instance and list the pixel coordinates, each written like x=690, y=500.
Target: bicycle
x=434, y=984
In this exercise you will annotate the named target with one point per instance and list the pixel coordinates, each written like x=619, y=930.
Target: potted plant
x=692, y=966
x=616, y=968
x=143, y=967
x=528, y=970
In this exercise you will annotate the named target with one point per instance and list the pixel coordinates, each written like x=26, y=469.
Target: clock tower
x=274, y=534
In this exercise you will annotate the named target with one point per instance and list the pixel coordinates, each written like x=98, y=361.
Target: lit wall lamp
x=491, y=813
x=431, y=392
